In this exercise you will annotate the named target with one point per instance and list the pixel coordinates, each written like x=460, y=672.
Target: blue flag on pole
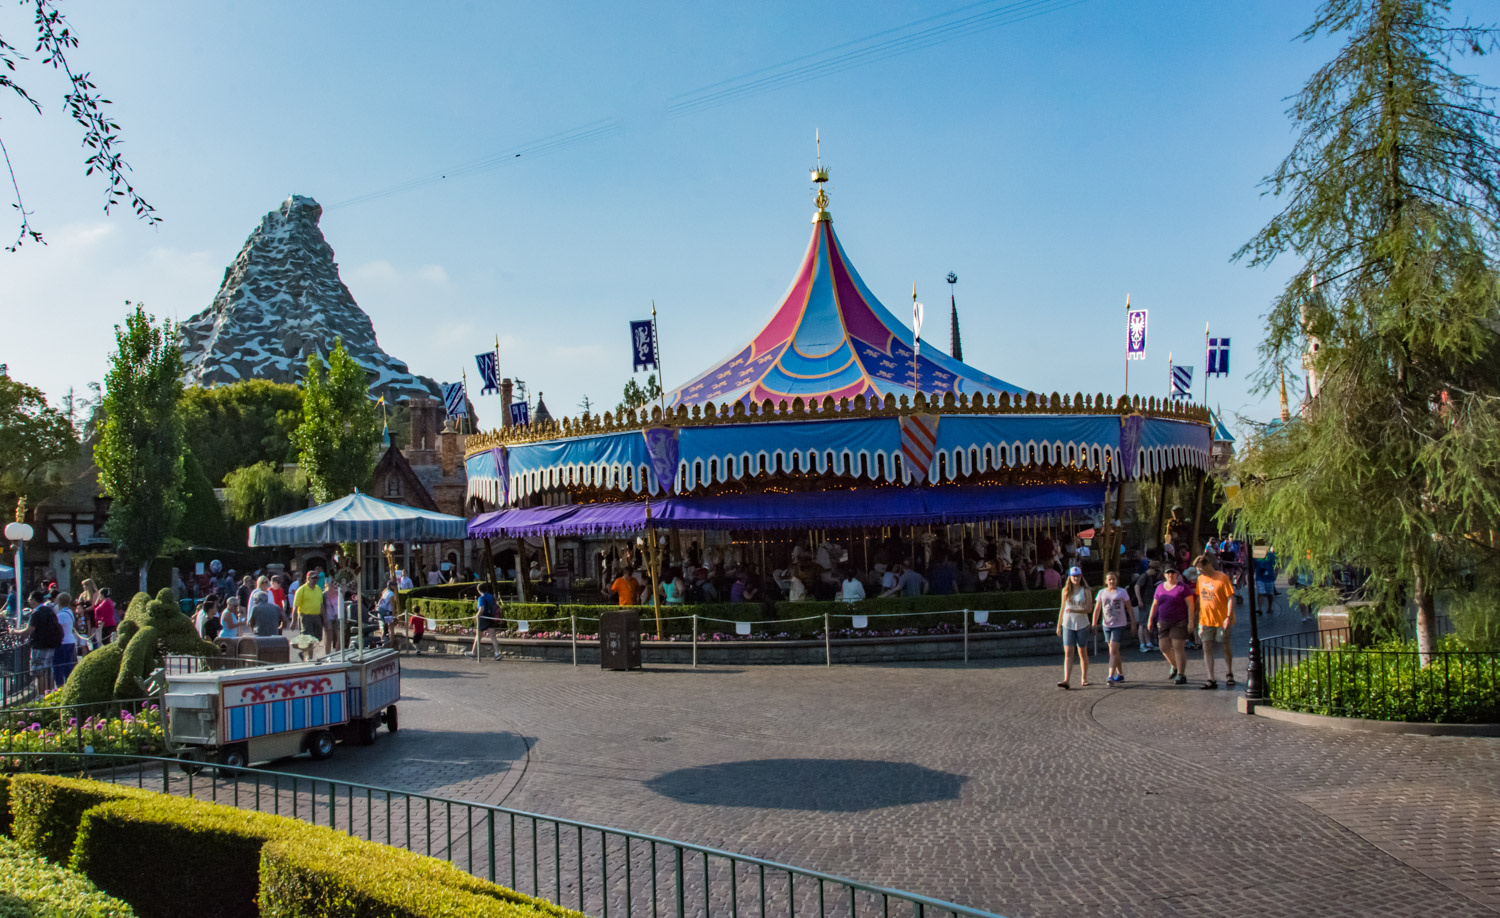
x=520, y=414
x=643, y=344
x=489, y=372
x=1182, y=381
x=454, y=401
x=1218, y=357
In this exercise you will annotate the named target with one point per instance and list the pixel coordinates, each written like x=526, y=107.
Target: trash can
x=620, y=641
x=273, y=649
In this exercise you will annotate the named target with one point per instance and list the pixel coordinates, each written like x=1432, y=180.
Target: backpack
x=211, y=627
x=48, y=633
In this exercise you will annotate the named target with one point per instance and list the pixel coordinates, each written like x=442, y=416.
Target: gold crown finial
x=820, y=179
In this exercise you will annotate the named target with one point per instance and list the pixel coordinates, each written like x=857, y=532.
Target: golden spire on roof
x=820, y=178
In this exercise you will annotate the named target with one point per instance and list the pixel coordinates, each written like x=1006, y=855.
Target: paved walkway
x=983, y=784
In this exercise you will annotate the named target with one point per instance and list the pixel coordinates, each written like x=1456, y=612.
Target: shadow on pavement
x=822, y=785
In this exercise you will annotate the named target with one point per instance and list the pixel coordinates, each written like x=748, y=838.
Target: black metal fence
x=598, y=870
x=1326, y=672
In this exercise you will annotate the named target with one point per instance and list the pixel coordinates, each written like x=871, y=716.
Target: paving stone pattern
x=984, y=785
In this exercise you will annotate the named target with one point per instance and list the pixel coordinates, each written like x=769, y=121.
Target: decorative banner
x=1182, y=381
x=661, y=449
x=1135, y=334
x=1218, y=357
x=520, y=414
x=741, y=627
x=523, y=626
x=1130, y=442
x=454, y=401
x=643, y=344
x=489, y=372
x=919, y=443
x=861, y=622
x=981, y=617
x=917, y=312
x=501, y=456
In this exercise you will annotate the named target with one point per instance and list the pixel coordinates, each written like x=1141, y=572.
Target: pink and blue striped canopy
x=830, y=337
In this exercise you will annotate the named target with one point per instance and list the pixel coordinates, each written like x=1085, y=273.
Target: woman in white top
x=851, y=589
x=1073, y=624
x=1112, y=605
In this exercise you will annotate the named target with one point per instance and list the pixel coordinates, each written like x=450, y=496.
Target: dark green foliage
x=5, y=806
x=261, y=492
x=36, y=889
x=241, y=424
x=46, y=810
x=329, y=875
x=140, y=446
x=1388, y=682
x=340, y=428
x=109, y=570
x=38, y=440
x=187, y=857
x=202, y=524
x=1391, y=201
x=636, y=395
x=151, y=627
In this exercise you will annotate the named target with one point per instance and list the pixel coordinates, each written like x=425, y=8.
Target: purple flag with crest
x=661, y=449
x=1130, y=443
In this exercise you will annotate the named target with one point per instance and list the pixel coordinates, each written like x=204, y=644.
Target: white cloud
x=433, y=274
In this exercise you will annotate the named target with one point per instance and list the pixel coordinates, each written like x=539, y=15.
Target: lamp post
x=20, y=533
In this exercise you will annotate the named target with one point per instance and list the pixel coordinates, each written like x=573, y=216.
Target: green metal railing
x=596, y=869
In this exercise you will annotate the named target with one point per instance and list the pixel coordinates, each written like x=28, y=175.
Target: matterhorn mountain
x=280, y=301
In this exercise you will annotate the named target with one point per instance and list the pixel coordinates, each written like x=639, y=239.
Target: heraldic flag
x=1182, y=381
x=643, y=344
x=489, y=372
x=454, y=400
x=919, y=443
x=1218, y=357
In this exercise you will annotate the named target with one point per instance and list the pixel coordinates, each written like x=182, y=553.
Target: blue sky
x=1098, y=148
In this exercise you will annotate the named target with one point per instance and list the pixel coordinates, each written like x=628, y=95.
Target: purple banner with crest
x=661, y=449
x=1130, y=443
x=1135, y=334
x=502, y=471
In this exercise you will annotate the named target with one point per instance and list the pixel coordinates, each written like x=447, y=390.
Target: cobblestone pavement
x=985, y=784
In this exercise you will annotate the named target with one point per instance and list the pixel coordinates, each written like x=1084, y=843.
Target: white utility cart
x=239, y=716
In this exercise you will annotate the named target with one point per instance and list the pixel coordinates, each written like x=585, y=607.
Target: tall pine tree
x=1392, y=204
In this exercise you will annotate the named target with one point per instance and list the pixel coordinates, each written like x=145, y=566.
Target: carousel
x=832, y=424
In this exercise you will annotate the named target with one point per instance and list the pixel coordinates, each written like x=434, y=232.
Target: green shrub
x=1388, y=682
x=328, y=875
x=37, y=889
x=465, y=590
x=5, y=805
x=46, y=810
x=187, y=857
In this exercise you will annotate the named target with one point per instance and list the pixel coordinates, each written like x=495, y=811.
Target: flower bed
x=127, y=728
x=1389, y=682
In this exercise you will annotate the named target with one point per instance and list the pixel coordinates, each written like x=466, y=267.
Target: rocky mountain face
x=280, y=301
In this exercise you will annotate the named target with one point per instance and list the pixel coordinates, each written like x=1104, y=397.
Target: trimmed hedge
x=35, y=888
x=910, y=612
x=324, y=874
x=46, y=810
x=187, y=857
x=1389, y=682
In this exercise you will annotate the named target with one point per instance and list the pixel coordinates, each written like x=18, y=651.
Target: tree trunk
x=1426, y=615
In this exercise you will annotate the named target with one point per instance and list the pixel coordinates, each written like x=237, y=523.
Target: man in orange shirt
x=1215, y=616
x=627, y=588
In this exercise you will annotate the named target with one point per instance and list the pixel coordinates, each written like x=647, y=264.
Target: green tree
x=241, y=424
x=637, y=395
x=1392, y=203
x=37, y=439
x=55, y=38
x=140, y=448
x=340, y=426
x=202, y=524
x=263, y=491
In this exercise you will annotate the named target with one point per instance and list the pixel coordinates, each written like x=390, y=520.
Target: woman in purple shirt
x=1171, y=609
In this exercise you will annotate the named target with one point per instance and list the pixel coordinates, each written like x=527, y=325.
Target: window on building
x=392, y=486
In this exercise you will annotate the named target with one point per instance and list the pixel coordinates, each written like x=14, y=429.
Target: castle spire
x=820, y=178
x=1286, y=412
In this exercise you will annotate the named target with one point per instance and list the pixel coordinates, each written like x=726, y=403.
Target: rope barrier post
x=966, y=637
x=573, y=619
x=827, y=642
x=695, y=640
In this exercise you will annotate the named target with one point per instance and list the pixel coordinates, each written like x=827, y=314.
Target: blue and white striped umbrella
x=357, y=518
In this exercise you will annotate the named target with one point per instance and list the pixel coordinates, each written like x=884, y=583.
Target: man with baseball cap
x=1215, y=617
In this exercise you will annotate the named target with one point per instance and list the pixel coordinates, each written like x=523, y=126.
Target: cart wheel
x=234, y=756
x=367, y=728
x=320, y=745
x=390, y=718
x=190, y=762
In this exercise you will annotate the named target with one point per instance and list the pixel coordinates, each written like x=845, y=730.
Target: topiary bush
x=46, y=810
x=187, y=857
x=1388, y=682
x=34, y=888
x=324, y=874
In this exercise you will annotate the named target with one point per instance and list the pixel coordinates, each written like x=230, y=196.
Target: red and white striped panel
x=919, y=443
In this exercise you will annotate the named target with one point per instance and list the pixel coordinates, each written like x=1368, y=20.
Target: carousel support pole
x=1161, y=512
x=489, y=566
x=1198, y=513
x=573, y=626
x=655, y=574
x=827, y=642
x=695, y=640
x=966, y=637
x=1114, y=559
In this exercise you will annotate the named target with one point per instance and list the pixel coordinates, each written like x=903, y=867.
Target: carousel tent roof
x=830, y=336
x=356, y=518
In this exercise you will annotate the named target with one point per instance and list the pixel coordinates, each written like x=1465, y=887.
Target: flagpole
x=916, y=344
x=1171, y=379
x=465, y=415
x=1127, y=347
x=661, y=377
x=1207, y=365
